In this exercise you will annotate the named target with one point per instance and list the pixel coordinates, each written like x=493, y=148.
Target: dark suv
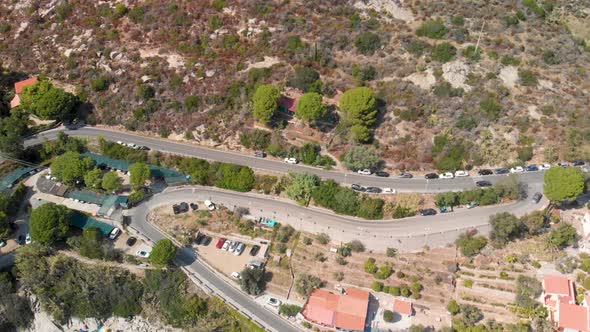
x=537, y=198
x=431, y=176
x=260, y=154
x=427, y=212
x=485, y=172
x=358, y=187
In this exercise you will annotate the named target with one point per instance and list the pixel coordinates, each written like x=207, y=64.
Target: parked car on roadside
x=194, y=206
x=537, y=197
x=2, y=243
x=239, y=249
x=210, y=206
x=545, y=167
x=427, y=212
x=234, y=245
x=273, y=302
x=358, y=187
x=382, y=174
x=389, y=191
x=254, y=250
x=483, y=172
x=563, y=164
x=373, y=190
x=220, y=243
x=28, y=239
x=260, y=154
x=483, y=183
x=207, y=240
x=578, y=163
x=21, y=240
x=236, y=275
x=461, y=173
x=142, y=254
x=447, y=175
x=291, y=160
x=405, y=176
x=532, y=168
x=431, y=176
x=131, y=241
x=502, y=171
x=516, y=169
x=114, y=233
x=365, y=171
x=226, y=245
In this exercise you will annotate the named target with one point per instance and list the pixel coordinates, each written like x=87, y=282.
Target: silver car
x=239, y=249
x=233, y=246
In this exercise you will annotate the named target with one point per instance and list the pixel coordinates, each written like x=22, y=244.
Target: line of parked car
x=134, y=146
x=184, y=206
x=236, y=247
x=481, y=172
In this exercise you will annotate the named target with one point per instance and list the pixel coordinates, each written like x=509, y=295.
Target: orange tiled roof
x=18, y=86
x=573, y=316
x=347, y=311
x=556, y=285
x=402, y=307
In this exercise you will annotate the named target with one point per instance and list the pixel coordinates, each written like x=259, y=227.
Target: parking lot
x=227, y=262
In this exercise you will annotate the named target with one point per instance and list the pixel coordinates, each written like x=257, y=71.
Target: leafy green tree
x=388, y=316
x=305, y=79
x=111, y=182
x=535, y=222
x=453, y=307
x=139, y=174
x=197, y=169
x=93, y=178
x=359, y=106
x=255, y=139
x=90, y=244
x=506, y=227
x=144, y=92
x=360, y=134
x=563, y=183
x=11, y=144
x=233, y=177
x=49, y=223
x=301, y=186
x=563, y=235
x=310, y=107
x=528, y=290
x=360, y=157
x=162, y=253
x=252, y=281
x=370, y=208
x=264, y=102
x=434, y=29
x=4, y=226
x=306, y=283
x=309, y=153
x=70, y=167
x=47, y=102
x=346, y=202
x=446, y=199
x=323, y=195
x=16, y=309
x=471, y=314
x=100, y=83
x=470, y=245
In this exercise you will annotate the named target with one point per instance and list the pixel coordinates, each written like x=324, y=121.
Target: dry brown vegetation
x=190, y=48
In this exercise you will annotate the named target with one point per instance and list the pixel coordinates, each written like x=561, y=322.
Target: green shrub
x=508, y=60
x=468, y=283
x=289, y=310
x=384, y=272
x=341, y=261
x=536, y=264
x=388, y=316
x=405, y=292
x=491, y=108
x=338, y=276
x=377, y=286
x=391, y=252
x=434, y=29
x=394, y=290
x=370, y=266
x=443, y=52
x=527, y=77
x=453, y=307
x=367, y=43
x=471, y=54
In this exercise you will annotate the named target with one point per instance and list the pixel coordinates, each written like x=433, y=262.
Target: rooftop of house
x=18, y=86
x=347, y=311
x=574, y=317
x=557, y=285
x=402, y=307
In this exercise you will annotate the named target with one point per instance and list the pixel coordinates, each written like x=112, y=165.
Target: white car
x=447, y=175
x=209, y=205
x=516, y=169
x=28, y=239
x=226, y=245
x=119, y=142
x=291, y=160
x=273, y=302
x=544, y=167
x=235, y=275
x=365, y=171
x=2, y=243
x=388, y=191
x=142, y=254
x=114, y=233
x=461, y=173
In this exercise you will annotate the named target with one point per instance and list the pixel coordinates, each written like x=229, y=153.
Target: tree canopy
x=111, y=182
x=563, y=235
x=506, y=227
x=265, y=101
x=47, y=102
x=359, y=106
x=252, y=281
x=140, y=172
x=162, y=253
x=360, y=157
x=301, y=187
x=306, y=283
x=563, y=183
x=305, y=79
x=49, y=223
x=310, y=107
x=93, y=179
x=470, y=245
x=70, y=167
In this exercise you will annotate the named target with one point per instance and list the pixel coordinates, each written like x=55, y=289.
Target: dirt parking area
x=227, y=262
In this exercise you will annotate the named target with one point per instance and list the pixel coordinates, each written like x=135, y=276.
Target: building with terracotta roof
x=559, y=298
x=402, y=307
x=346, y=311
x=18, y=88
x=287, y=104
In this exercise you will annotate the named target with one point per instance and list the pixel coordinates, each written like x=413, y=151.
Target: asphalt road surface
x=417, y=184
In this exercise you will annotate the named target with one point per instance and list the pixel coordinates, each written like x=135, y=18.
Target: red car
x=220, y=243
